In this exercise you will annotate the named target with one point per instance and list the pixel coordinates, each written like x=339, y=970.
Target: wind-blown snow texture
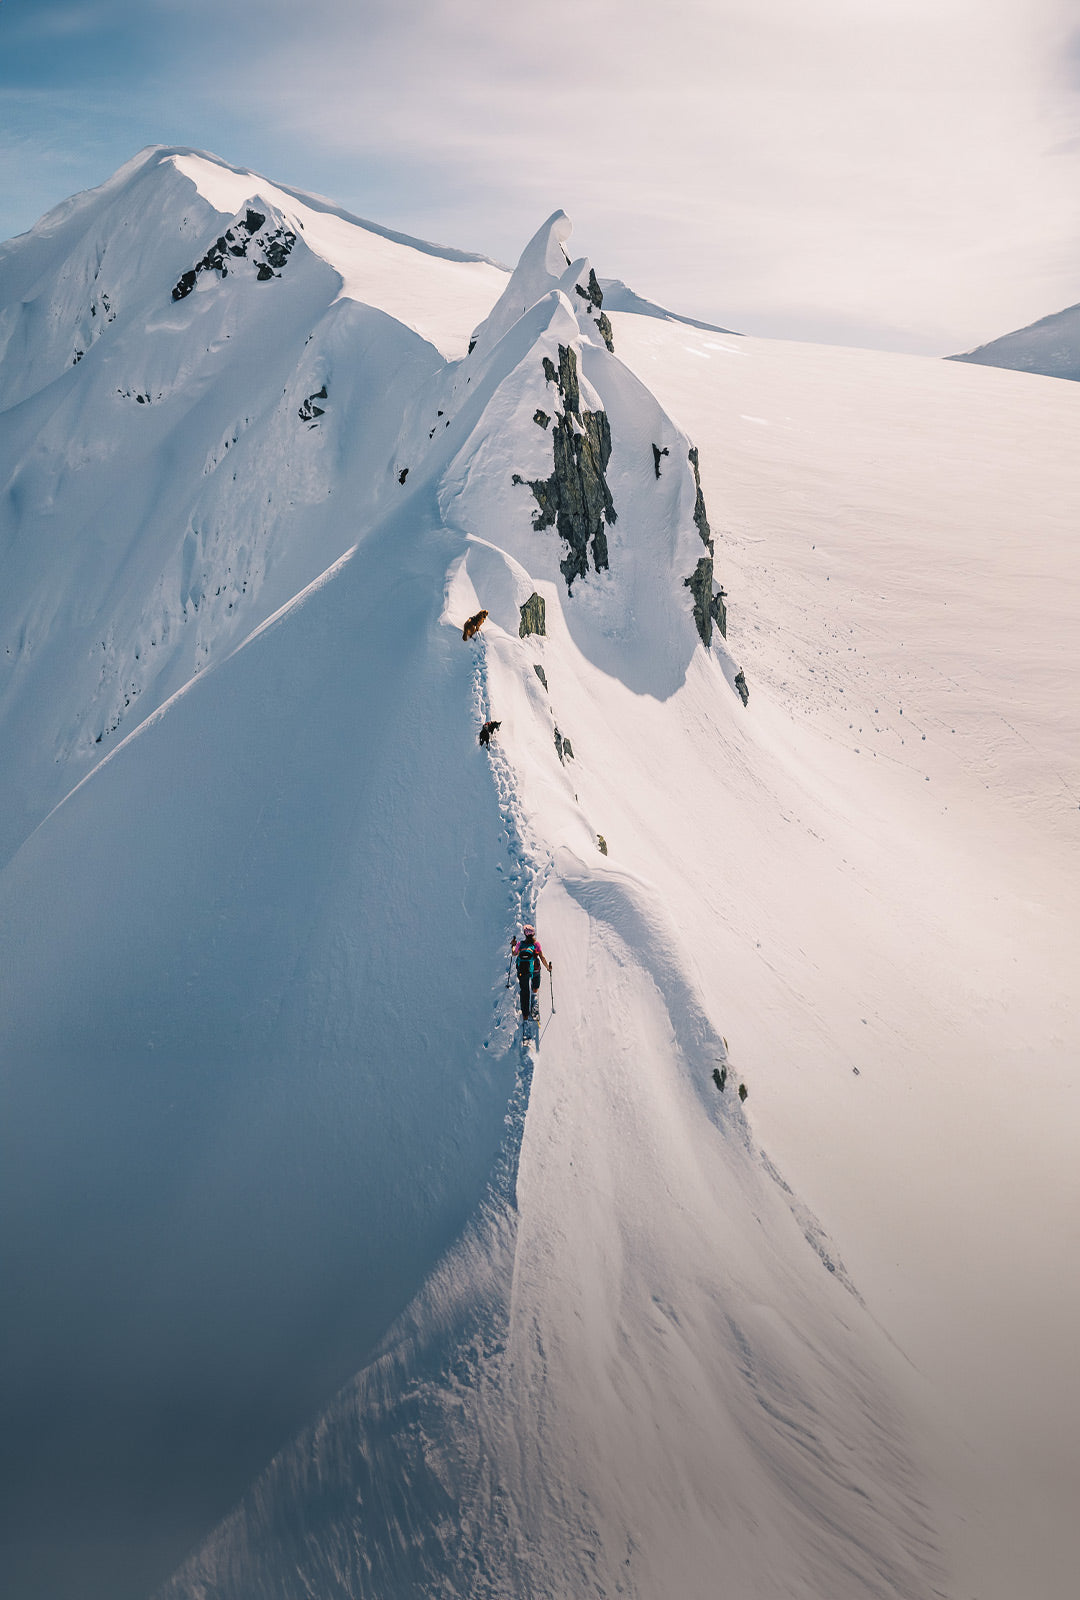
x=321, y=1280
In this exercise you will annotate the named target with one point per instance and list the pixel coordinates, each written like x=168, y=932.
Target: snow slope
x=1050, y=346
x=269, y=1125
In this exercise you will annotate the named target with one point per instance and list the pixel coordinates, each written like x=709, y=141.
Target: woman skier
x=528, y=956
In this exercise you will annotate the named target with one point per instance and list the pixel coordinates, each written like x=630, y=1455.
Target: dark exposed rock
x=309, y=409
x=403, y=474
x=541, y=417
x=576, y=499
x=719, y=1077
x=593, y=292
x=278, y=247
x=740, y=684
x=540, y=673
x=472, y=346
x=601, y=844
x=568, y=379
x=700, y=586
x=656, y=455
x=743, y=1091
x=595, y=296
x=563, y=748
x=533, y=617
x=701, y=520
x=708, y=607
x=235, y=242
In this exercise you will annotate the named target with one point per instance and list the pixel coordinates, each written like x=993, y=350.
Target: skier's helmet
x=529, y=931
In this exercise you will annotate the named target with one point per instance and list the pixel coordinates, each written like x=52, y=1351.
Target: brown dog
x=487, y=730
x=474, y=624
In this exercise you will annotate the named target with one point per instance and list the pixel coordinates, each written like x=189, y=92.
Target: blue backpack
x=528, y=962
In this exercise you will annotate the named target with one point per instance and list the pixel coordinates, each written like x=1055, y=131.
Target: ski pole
x=551, y=985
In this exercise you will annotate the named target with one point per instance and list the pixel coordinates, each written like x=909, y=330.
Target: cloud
x=869, y=163
x=907, y=168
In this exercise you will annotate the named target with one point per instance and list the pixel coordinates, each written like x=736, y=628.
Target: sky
x=900, y=174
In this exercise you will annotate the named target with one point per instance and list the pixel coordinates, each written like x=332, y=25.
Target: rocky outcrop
x=309, y=410
x=267, y=253
x=657, y=455
x=740, y=684
x=533, y=619
x=701, y=520
x=575, y=499
x=593, y=293
x=709, y=608
x=564, y=748
x=542, y=675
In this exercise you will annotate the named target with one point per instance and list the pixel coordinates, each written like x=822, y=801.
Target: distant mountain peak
x=1050, y=347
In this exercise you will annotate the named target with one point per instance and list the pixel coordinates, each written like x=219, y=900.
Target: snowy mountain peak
x=260, y=237
x=545, y=267
x=1050, y=347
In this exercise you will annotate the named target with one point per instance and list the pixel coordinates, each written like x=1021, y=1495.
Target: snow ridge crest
x=545, y=266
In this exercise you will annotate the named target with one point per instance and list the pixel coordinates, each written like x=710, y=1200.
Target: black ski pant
x=528, y=985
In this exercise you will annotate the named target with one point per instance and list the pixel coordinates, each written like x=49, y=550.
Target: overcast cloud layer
x=860, y=171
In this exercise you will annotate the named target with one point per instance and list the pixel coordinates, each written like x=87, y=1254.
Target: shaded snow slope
x=1050, y=346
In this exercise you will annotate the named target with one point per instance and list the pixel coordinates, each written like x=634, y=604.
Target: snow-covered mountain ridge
x=269, y=1125
x=1050, y=347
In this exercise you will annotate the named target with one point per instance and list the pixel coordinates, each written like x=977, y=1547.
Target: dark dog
x=487, y=730
x=474, y=624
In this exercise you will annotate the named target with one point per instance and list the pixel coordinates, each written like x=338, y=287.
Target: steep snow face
x=199, y=418
x=439, y=293
x=1050, y=346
